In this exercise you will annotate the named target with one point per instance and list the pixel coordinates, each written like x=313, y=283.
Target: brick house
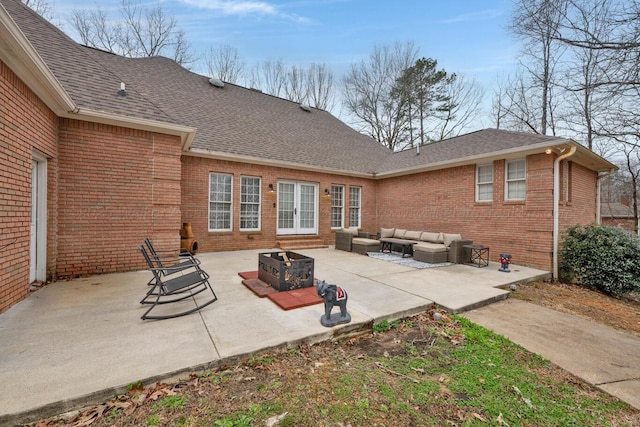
x=99, y=151
x=619, y=214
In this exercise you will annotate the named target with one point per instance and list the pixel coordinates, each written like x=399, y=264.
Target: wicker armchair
x=457, y=253
x=344, y=239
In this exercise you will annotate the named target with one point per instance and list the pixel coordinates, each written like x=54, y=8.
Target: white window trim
x=214, y=230
x=478, y=183
x=259, y=203
x=343, y=207
x=507, y=181
x=359, y=207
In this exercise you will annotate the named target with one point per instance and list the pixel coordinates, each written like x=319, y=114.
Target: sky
x=466, y=37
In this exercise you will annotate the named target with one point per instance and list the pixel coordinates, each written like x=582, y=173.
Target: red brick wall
x=26, y=123
x=581, y=206
x=195, y=197
x=444, y=201
x=118, y=186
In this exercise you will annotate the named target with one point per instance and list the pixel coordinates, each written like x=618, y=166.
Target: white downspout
x=556, y=206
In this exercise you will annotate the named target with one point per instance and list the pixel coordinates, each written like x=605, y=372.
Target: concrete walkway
x=602, y=356
x=79, y=342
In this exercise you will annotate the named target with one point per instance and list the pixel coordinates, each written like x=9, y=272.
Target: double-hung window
x=484, y=183
x=355, y=203
x=516, y=180
x=220, y=202
x=249, y=203
x=337, y=206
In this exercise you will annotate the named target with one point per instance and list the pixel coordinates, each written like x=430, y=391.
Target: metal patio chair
x=174, y=284
x=164, y=259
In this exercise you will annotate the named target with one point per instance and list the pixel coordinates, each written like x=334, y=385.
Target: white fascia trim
x=186, y=133
x=217, y=155
x=511, y=153
x=30, y=67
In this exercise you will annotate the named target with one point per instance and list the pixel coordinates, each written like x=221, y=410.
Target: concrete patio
x=78, y=342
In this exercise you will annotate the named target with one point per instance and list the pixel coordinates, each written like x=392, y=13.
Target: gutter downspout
x=556, y=206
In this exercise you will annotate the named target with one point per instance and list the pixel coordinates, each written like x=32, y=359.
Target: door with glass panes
x=297, y=208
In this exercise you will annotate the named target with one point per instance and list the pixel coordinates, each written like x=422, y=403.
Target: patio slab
x=78, y=342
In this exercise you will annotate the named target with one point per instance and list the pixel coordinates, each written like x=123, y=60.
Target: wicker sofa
x=353, y=240
x=431, y=247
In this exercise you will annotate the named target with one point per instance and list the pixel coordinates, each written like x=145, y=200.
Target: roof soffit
x=17, y=52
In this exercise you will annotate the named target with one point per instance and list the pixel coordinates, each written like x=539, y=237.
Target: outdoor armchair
x=176, y=284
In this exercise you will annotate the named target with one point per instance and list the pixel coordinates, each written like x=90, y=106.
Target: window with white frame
x=516, y=180
x=484, y=183
x=337, y=206
x=220, y=201
x=250, y=203
x=355, y=201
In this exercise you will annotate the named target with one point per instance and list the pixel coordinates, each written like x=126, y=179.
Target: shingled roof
x=241, y=124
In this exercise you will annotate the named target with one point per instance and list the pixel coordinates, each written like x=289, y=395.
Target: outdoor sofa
x=431, y=247
x=427, y=246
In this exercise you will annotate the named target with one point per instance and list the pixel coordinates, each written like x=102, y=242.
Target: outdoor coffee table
x=478, y=255
x=407, y=245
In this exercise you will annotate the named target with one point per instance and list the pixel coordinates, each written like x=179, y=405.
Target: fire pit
x=285, y=270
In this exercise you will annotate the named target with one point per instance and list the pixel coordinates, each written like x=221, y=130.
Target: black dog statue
x=333, y=295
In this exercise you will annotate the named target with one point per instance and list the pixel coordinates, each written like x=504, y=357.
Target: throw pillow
x=448, y=238
x=412, y=235
x=399, y=233
x=386, y=232
x=351, y=230
x=428, y=236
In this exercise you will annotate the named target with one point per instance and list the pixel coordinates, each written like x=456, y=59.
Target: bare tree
x=463, y=107
x=138, y=32
x=515, y=105
x=271, y=76
x=609, y=31
x=367, y=93
x=41, y=7
x=537, y=23
x=225, y=63
x=632, y=167
x=320, y=86
x=295, y=85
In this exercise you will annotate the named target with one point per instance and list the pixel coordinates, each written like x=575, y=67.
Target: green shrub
x=601, y=257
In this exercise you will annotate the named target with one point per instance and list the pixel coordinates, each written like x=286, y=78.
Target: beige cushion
x=387, y=232
x=448, y=238
x=429, y=247
x=412, y=235
x=429, y=236
x=352, y=230
x=399, y=233
x=365, y=241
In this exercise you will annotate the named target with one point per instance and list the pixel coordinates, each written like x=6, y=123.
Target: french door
x=297, y=208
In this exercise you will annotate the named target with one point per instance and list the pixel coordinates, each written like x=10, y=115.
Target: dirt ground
x=621, y=314
x=212, y=399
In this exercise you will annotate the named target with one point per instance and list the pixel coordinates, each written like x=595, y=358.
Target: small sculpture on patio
x=333, y=295
x=505, y=260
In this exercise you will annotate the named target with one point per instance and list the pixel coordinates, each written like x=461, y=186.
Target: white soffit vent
x=216, y=82
x=305, y=107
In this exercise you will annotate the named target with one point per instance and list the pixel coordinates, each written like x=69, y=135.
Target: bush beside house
x=602, y=257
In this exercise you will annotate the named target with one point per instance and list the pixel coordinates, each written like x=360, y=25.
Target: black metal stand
x=478, y=255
